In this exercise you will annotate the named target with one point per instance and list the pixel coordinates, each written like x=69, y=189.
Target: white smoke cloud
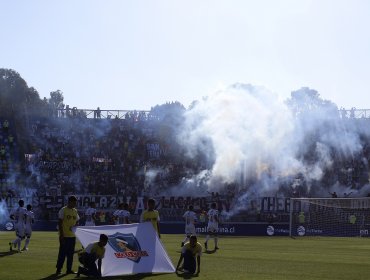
x=244, y=131
x=249, y=136
x=4, y=214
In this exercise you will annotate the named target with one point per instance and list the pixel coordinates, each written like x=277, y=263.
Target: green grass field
x=239, y=258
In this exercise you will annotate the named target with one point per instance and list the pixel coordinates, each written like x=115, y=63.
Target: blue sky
x=136, y=54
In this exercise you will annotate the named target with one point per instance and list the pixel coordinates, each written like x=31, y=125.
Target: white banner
x=131, y=248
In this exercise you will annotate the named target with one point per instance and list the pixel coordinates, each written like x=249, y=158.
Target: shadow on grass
x=122, y=277
x=186, y=275
x=8, y=253
x=54, y=276
x=210, y=251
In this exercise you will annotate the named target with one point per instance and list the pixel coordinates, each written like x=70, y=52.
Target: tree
x=56, y=99
x=13, y=91
x=171, y=111
x=308, y=101
x=55, y=102
x=16, y=98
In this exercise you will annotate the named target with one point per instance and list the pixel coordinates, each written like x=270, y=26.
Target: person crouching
x=94, y=251
x=190, y=253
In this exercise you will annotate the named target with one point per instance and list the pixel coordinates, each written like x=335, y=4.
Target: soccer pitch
x=238, y=258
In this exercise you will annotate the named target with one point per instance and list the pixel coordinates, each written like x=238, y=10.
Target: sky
x=136, y=54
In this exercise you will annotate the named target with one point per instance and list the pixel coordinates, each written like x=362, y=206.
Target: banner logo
x=9, y=226
x=270, y=230
x=301, y=231
x=126, y=246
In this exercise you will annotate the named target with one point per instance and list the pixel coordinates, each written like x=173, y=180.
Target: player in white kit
x=90, y=215
x=18, y=216
x=122, y=215
x=30, y=219
x=212, y=225
x=190, y=219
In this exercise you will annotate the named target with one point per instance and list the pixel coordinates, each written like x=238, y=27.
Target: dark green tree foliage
x=55, y=102
x=308, y=102
x=13, y=91
x=16, y=98
x=56, y=99
x=170, y=111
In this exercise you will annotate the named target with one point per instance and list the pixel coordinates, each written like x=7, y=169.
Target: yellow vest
x=196, y=250
x=151, y=216
x=70, y=218
x=97, y=250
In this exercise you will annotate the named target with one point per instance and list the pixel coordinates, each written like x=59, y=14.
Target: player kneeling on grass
x=94, y=251
x=189, y=252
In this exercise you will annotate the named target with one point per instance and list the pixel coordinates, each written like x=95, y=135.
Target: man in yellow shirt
x=68, y=218
x=151, y=215
x=94, y=251
x=189, y=252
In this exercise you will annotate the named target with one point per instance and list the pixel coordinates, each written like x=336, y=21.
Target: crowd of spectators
x=9, y=167
x=101, y=156
x=131, y=156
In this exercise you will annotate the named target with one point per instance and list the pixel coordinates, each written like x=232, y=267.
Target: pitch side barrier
x=263, y=216
x=242, y=229
x=226, y=229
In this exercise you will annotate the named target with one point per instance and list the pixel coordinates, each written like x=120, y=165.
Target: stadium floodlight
x=346, y=217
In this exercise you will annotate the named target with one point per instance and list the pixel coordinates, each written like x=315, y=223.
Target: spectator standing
x=333, y=194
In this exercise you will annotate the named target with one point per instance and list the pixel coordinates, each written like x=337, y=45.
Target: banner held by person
x=131, y=249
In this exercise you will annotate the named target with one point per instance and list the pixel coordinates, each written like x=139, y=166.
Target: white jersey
x=19, y=220
x=19, y=215
x=89, y=213
x=190, y=218
x=212, y=220
x=121, y=216
x=30, y=217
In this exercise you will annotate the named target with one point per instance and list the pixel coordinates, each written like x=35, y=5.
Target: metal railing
x=102, y=114
x=145, y=115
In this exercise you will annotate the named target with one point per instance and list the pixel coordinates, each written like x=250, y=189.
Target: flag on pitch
x=131, y=248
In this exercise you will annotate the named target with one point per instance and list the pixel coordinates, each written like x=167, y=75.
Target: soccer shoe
x=182, y=244
x=71, y=272
x=216, y=248
x=10, y=246
x=58, y=272
x=205, y=246
x=25, y=249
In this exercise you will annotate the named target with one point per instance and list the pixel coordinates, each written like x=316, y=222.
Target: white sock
x=27, y=242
